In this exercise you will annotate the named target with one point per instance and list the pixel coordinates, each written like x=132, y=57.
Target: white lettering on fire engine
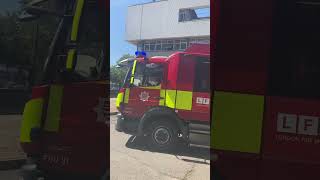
x=287, y=123
x=201, y=100
x=101, y=110
x=304, y=125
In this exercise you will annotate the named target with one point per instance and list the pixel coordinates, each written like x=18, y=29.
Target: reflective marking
x=54, y=108
x=31, y=118
x=126, y=95
x=241, y=114
x=184, y=100
x=70, y=58
x=76, y=20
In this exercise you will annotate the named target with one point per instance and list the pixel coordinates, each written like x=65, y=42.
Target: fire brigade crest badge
x=144, y=96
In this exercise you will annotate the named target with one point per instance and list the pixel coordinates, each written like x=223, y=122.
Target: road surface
x=130, y=159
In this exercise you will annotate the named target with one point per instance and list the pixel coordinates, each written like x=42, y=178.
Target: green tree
x=117, y=74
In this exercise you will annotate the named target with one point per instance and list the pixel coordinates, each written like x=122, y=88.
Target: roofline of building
x=146, y=3
x=155, y=39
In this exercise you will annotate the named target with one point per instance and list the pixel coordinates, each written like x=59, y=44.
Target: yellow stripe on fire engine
x=70, y=58
x=171, y=98
x=54, y=108
x=76, y=20
x=184, y=100
x=162, y=97
x=237, y=122
x=119, y=99
x=133, y=71
x=31, y=118
x=126, y=95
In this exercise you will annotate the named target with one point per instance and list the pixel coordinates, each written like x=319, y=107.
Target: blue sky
x=118, y=13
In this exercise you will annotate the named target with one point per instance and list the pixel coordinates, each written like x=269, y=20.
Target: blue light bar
x=141, y=53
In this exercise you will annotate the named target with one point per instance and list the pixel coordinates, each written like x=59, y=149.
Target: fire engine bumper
x=30, y=171
x=128, y=126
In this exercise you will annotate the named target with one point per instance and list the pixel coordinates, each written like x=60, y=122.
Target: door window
x=149, y=75
x=295, y=66
x=90, y=56
x=202, y=75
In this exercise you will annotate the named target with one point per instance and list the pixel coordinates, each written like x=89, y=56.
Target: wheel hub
x=161, y=135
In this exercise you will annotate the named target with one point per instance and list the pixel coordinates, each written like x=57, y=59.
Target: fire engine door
x=201, y=89
x=78, y=105
x=145, y=87
x=193, y=85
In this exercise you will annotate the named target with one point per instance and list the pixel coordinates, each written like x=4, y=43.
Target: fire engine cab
x=167, y=99
x=64, y=131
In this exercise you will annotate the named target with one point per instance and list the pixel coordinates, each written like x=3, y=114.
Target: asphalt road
x=9, y=145
x=130, y=159
x=9, y=175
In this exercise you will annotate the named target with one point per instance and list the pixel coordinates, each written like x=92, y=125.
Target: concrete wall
x=160, y=20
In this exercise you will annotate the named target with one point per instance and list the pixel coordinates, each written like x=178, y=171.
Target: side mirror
x=26, y=17
x=34, y=10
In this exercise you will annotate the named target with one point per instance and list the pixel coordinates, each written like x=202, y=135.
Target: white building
x=165, y=26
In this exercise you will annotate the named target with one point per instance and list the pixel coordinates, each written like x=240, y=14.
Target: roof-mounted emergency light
x=141, y=54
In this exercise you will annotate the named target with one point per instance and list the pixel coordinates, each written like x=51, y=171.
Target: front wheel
x=163, y=135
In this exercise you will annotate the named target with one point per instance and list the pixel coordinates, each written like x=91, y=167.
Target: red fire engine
x=167, y=99
x=64, y=130
x=265, y=111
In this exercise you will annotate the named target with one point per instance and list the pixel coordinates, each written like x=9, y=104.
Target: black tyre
x=163, y=135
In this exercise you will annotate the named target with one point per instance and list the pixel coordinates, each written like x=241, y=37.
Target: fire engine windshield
x=145, y=75
x=89, y=54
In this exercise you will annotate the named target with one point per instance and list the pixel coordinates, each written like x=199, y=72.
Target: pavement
x=10, y=149
x=131, y=159
x=113, y=109
x=11, y=154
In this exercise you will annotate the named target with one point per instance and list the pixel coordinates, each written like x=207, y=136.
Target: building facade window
x=170, y=44
x=199, y=41
x=183, y=44
x=191, y=14
x=147, y=46
x=158, y=46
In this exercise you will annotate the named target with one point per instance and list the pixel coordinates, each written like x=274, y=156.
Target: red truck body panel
x=290, y=139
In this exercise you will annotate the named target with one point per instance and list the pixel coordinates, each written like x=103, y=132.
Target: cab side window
x=90, y=43
x=294, y=69
x=138, y=75
x=202, y=75
x=149, y=75
x=153, y=75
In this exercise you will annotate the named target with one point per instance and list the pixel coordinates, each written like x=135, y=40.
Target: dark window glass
x=90, y=54
x=202, y=75
x=295, y=66
x=148, y=75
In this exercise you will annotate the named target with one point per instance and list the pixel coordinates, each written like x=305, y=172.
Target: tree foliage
x=18, y=46
x=117, y=75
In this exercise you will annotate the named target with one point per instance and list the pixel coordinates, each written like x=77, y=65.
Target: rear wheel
x=162, y=135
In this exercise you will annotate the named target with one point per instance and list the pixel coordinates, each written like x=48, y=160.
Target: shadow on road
x=139, y=143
